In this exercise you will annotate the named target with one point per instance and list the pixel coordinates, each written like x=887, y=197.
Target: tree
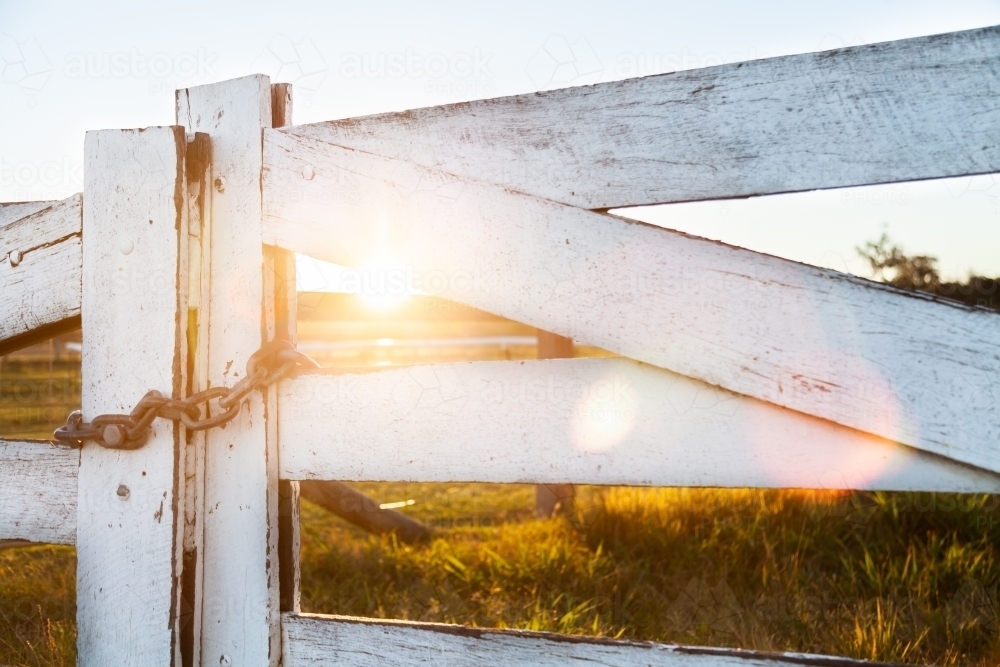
x=890, y=264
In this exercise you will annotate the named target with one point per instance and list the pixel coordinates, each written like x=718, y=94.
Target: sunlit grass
x=890, y=577
x=893, y=577
x=38, y=606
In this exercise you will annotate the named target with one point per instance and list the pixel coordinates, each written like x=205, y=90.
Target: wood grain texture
x=199, y=198
x=901, y=365
x=44, y=289
x=312, y=640
x=38, y=491
x=240, y=607
x=280, y=280
x=15, y=210
x=589, y=421
x=129, y=527
x=918, y=108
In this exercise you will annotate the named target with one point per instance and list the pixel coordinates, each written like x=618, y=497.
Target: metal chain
x=270, y=363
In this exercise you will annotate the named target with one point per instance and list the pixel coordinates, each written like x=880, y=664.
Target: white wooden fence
x=740, y=369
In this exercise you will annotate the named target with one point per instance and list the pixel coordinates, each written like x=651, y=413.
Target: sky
x=69, y=67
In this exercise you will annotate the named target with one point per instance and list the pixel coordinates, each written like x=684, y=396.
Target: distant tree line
x=890, y=264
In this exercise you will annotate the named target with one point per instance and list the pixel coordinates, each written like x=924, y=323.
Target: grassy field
x=894, y=577
x=902, y=577
x=909, y=578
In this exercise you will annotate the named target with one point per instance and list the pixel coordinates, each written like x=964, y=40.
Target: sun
x=382, y=284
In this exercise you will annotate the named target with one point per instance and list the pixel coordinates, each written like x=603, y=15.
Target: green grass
x=904, y=577
x=893, y=577
x=910, y=578
x=38, y=606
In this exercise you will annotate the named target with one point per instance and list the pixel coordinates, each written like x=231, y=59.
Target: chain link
x=270, y=363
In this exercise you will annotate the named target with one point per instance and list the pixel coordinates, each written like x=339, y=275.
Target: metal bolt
x=220, y=183
x=113, y=436
x=126, y=246
x=225, y=660
x=15, y=257
x=308, y=172
x=123, y=492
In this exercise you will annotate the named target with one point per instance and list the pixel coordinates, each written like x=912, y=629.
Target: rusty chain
x=270, y=363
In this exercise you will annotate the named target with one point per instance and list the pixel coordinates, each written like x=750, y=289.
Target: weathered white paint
x=134, y=310
x=312, y=640
x=240, y=608
x=199, y=189
x=901, y=365
x=281, y=312
x=917, y=108
x=590, y=421
x=15, y=210
x=45, y=287
x=38, y=490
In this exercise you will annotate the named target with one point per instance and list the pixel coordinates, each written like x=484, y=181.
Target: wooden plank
x=589, y=421
x=918, y=108
x=240, y=609
x=15, y=544
x=43, y=289
x=38, y=485
x=199, y=189
x=550, y=498
x=15, y=210
x=363, y=511
x=129, y=525
x=901, y=365
x=313, y=640
x=280, y=280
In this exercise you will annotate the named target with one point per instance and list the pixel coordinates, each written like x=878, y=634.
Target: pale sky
x=70, y=66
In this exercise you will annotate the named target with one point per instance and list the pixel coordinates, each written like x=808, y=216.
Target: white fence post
x=279, y=281
x=240, y=622
x=134, y=320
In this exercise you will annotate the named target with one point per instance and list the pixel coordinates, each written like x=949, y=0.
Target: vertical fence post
x=279, y=274
x=130, y=514
x=240, y=621
x=553, y=498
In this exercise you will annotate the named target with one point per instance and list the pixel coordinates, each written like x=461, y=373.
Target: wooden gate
x=178, y=262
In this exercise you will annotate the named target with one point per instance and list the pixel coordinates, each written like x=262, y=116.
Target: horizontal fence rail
x=38, y=491
x=594, y=421
x=312, y=640
x=911, y=109
x=41, y=259
x=15, y=210
x=901, y=365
